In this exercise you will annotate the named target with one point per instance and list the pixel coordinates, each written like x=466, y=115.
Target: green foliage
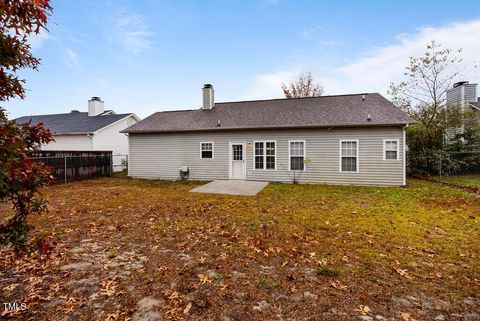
x=16, y=235
x=431, y=161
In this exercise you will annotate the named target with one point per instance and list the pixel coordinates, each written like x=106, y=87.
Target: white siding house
x=96, y=129
x=346, y=139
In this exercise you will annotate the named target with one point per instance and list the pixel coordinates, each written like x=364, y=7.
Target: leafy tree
x=423, y=96
x=20, y=177
x=469, y=137
x=304, y=86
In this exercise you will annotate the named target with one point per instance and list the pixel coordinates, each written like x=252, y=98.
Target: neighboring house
x=346, y=139
x=96, y=129
x=463, y=95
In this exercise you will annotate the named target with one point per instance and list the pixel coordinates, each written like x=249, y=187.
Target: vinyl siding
x=461, y=95
x=110, y=138
x=70, y=142
x=161, y=155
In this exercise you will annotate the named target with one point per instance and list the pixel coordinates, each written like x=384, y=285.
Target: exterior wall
x=110, y=138
x=70, y=142
x=461, y=95
x=161, y=155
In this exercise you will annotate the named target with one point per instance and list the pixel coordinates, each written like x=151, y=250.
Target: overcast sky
x=151, y=55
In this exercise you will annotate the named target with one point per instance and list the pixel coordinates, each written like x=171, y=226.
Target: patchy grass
x=327, y=271
x=463, y=180
x=298, y=251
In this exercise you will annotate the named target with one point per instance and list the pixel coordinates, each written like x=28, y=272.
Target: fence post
x=65, y=169
x=440, y=167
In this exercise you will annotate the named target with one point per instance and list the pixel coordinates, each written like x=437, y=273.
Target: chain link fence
x=458, y=168
x=119, y=162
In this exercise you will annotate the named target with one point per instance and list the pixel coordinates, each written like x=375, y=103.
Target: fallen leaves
x=109, y=287
x=403, y=272
x=363, y=309
x=11, y=287
x=187, y=308
x=407, y=316
x=338, y=285
x=204, y=278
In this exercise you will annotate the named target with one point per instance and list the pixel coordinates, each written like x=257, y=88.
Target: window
x=206, y=150
x=297, y=155
x=265, y=155
x=390, y=149
x=349, y=155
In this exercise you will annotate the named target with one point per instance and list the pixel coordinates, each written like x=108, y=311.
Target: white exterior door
x=237, y=159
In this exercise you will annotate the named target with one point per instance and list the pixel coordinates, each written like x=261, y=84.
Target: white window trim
x=385, y=149
x=304, y=153
x=213, y=150
x=340, y=155
x=265, y=155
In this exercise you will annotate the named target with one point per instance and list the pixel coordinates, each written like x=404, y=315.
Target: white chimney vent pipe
x=95, y=106
x=208, y=97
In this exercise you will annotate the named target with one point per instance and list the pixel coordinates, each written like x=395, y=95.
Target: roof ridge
x=296, y=98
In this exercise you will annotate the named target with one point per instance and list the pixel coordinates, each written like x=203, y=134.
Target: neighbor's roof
x=74, y=122
x=324, y=111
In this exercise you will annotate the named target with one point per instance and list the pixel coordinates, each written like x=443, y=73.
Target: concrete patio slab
x=231, y=187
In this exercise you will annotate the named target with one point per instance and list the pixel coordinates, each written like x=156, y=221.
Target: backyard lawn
x=463, y=180
x=150, y=250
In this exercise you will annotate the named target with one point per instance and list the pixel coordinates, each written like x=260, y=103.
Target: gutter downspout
x=404, y=178
x=90, y=135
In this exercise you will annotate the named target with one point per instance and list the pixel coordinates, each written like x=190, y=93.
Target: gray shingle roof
x=74, y=122
x=325, y=111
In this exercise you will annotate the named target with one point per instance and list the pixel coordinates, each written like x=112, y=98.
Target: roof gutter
x=73, y=133
x=265, y=128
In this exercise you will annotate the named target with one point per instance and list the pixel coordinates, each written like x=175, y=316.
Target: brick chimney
x=95, y=106
x=208, y=97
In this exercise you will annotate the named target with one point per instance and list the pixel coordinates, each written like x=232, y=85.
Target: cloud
x=36, y=41
x=133, y=33
x=375, y=70
x=70, y=58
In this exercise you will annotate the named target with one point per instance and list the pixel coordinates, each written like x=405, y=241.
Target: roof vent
x=363, y=97
x=369, y=118
x=75, y=111
x=218, y=123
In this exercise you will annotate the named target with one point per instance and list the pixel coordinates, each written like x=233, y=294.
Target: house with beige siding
x=356, y=139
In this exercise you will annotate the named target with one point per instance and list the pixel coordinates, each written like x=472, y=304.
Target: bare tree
x=304, y=86
x=423, y=95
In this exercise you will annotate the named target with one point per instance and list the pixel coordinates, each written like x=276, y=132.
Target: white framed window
x=206, y=150
x=296, y=155
x=390, y=149
x=265, y=155
x=349, y=155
